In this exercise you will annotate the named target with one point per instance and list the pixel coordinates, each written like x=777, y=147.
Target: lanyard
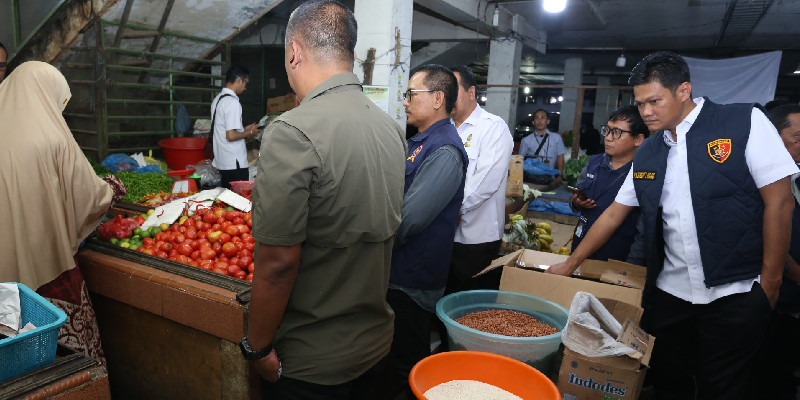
x=541, y=143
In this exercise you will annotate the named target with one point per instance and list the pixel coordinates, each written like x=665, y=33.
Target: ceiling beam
x=725, y=21
x=477, y=15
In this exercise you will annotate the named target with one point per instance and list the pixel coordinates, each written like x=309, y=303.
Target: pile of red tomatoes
x=214, y=239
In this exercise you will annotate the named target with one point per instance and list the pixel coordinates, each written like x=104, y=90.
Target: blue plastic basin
x=538, y=352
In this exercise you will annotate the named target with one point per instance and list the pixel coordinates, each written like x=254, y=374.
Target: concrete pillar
x=573, y=75
x=504, y=63
x=627, y=98
x=605, y=102
x=382, y=25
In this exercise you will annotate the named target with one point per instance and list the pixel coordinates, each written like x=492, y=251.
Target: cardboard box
x=562, y=289
x=282, y=103
x=609, y=378
x=515, y=176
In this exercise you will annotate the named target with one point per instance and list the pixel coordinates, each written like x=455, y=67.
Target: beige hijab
x=50, y=197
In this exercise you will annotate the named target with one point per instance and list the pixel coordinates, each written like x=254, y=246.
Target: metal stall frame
x=105, y=57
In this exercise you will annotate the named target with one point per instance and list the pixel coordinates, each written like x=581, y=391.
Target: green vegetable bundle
x=99, y=169
x=573, y=168
x=142, y=184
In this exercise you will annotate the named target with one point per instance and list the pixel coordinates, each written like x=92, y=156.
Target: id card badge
x=581, y=226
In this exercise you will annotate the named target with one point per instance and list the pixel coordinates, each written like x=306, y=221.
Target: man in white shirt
x=488, y=144
x=228, y=135
x=544, y=144
x=713, y=187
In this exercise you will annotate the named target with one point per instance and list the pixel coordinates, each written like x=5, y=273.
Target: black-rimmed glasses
x=410, y=92
x=616, y=133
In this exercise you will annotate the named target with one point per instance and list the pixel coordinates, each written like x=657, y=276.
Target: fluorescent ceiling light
x=560, y=98
x=483, y=98
x=526, y=90
x=554, y=6
x=798, y=71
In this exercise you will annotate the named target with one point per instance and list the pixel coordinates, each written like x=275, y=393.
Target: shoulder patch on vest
x=644, y=175
x=719, y=150
x=415, y=153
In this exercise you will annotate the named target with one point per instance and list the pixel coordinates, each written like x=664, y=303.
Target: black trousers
x=361, y=388
x=233, y=175
x=706, y=351
x=412, y=335
x=779, y=357
x=468, y=260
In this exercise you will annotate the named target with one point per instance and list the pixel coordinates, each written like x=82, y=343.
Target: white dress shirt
x=229, y=118
x=682, y=276
x=489, y=152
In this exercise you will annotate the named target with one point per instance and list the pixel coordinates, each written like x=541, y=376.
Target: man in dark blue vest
x=780, y=357
x=602, y=177
x=713, y=189
x=435, y=173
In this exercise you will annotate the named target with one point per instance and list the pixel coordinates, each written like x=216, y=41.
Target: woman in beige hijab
x=50, y=198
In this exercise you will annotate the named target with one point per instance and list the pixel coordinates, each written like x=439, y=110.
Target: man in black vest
x=713, y=188
x=436, y=169
x=780, y=357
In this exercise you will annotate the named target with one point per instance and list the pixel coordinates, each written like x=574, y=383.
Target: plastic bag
x=149, y=160
x=120, y=162
x=535, y=166
x=150, y=168
x=590, y=327
x=209, y=176
x=556, y=207
x=202, y=127
x=183, y=122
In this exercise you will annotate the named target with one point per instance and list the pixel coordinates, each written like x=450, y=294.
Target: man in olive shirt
x=326, y=205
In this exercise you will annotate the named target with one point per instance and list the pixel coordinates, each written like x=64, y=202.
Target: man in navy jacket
x=713, y=187
x=602, y=177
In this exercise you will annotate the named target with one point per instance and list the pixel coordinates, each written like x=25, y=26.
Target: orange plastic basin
x=506, y=373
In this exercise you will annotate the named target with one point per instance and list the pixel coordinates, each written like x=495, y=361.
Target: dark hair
x=631, y=115
x=665, y=67
x=467, y=77
x=774, y=103
x=440, y=79
x=236, y=71
x=4, y=48
x=779, y=116
x=546, y=114
x=328, y=29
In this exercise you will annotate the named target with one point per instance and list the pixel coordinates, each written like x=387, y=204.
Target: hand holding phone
x=577, y=192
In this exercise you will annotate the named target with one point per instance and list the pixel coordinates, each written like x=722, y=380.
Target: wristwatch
x=251, y=355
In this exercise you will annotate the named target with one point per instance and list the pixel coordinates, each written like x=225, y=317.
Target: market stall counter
x=170, y=326
x=165, y=335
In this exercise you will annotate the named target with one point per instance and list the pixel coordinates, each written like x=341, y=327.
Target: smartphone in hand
x=578, y=192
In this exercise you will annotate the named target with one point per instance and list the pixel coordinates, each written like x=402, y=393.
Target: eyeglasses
x=616, y=133
x=410, y=92
x=246, y=81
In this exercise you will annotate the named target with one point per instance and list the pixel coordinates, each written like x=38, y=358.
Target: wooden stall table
x=169, y=331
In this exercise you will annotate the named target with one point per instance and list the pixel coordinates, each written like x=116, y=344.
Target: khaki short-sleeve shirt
x=331, y=177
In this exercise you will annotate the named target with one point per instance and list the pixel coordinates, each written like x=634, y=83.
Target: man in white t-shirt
x=713, y=185
x=230, y=151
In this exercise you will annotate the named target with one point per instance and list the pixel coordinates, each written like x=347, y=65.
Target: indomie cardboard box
x=609, y=378
x=523, y=273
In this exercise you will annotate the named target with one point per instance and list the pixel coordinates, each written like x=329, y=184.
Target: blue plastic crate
x=35, y=348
